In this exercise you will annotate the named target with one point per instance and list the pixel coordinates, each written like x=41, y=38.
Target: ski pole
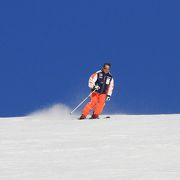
x=82, y=102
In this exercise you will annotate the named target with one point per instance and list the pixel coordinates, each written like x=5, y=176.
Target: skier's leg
x=100, y=105
x=90, y=105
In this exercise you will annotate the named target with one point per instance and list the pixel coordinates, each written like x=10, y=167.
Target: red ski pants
x=97, y=104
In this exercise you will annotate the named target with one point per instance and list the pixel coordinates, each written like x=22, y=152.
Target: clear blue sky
x=48, y=50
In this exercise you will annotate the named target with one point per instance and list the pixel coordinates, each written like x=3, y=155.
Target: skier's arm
x=111, y=87
x=92, y=80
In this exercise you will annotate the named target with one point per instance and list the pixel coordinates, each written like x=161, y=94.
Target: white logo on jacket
x=100, y=75
x=108, y=80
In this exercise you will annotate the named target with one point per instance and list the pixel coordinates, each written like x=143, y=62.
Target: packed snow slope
x=52, y=145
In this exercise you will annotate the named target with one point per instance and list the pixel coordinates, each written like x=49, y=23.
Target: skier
x=102, y=83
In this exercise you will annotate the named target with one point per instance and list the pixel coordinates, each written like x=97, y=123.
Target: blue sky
x=48, y=50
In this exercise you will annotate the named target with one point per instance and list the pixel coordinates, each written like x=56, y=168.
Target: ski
x=107, y=117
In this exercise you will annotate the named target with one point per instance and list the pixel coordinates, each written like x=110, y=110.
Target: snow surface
x=52, y=145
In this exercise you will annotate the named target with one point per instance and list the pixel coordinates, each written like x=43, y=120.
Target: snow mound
x=55, y=112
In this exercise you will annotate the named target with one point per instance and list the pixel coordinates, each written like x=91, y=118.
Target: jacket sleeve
x=92, y=80
x=111, y=87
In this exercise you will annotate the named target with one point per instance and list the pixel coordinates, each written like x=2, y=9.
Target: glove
x=108, y=98
x=96, y=87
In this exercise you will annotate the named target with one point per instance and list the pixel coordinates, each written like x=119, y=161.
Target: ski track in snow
x=52, y=145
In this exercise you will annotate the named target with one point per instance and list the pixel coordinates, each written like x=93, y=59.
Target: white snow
x=52, y=145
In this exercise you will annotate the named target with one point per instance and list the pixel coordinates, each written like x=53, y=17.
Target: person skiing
x=102, y=83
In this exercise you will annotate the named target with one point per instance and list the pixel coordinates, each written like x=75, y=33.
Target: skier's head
x=106, y=68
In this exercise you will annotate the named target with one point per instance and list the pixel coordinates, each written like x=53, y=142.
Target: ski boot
x=94, y=116
x=82, y=117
